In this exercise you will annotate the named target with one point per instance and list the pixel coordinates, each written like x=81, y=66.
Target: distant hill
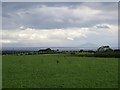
x=89, y=46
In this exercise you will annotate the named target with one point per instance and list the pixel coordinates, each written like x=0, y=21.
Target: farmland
x=59, y=71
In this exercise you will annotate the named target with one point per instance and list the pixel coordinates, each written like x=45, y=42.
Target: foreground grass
x=43, y=71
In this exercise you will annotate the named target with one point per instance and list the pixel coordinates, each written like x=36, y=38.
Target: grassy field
x=59, y=71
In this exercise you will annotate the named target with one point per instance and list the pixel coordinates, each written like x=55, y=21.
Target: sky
x=0, y=25
x=60, y=24
x=60, y=0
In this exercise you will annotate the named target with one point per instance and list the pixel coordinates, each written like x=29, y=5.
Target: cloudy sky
x=59, y=24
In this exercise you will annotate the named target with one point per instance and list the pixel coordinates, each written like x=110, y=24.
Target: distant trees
x=46, y=51
x=103, y=51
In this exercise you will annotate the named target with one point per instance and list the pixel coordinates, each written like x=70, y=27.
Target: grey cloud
x=62, y=1
x=24, y=14
x=106, y=6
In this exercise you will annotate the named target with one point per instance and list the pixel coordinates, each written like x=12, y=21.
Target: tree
x=104, y=49
x=48, y=49
x=81, y=50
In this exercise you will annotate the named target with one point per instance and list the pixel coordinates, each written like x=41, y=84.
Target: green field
x=43, y=71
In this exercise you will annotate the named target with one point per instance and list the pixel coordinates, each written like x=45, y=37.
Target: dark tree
x=104, y=49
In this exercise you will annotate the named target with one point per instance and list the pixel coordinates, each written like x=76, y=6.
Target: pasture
x=59, y=71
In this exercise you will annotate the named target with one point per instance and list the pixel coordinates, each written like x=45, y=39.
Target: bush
x=107, y=54
x=72, y=53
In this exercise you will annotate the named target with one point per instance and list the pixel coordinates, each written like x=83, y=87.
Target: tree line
x=103, y=51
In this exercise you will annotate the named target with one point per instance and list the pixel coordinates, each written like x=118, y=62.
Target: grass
x=43, y=71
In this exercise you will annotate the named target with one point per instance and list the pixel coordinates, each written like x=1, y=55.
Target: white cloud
x=43, y=35
x=55, y=37
x=7, y=41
